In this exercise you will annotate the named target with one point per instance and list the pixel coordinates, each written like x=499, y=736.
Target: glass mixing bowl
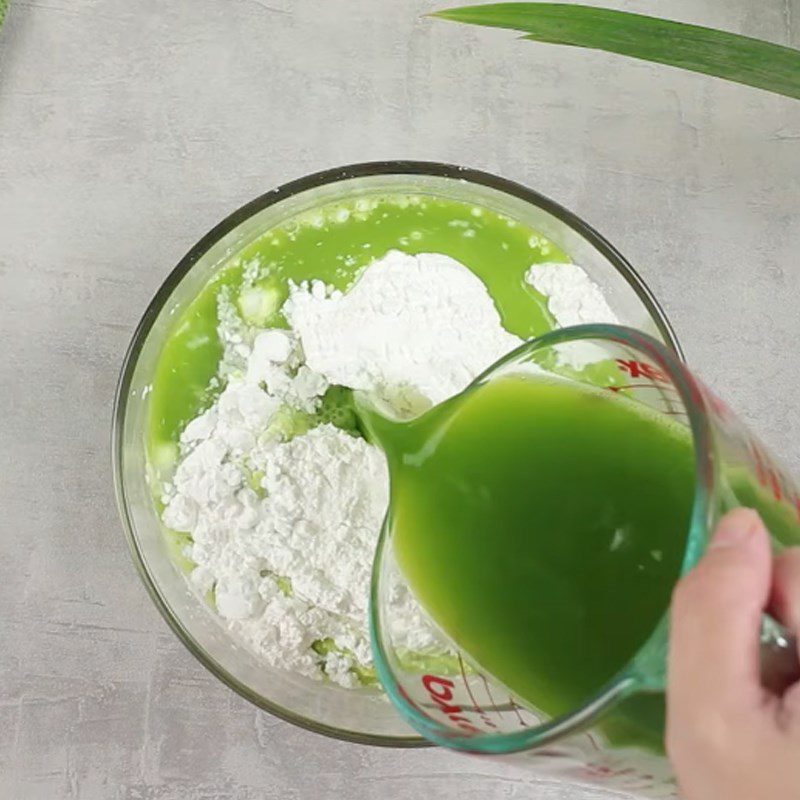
x=358, y=715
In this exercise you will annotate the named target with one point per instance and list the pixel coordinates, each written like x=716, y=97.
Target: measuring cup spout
x=377, y=421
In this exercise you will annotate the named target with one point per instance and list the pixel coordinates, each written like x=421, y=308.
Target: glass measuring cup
x=453, y=702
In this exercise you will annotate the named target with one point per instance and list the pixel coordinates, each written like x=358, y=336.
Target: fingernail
x=735, y=528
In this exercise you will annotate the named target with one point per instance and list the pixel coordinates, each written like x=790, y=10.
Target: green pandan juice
x=542, y=525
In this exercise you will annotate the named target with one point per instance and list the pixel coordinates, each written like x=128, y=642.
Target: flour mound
x=573, y=298
x=315, y=527
x=422, y=322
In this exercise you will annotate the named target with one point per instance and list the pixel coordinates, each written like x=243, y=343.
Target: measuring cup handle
x=780, y=663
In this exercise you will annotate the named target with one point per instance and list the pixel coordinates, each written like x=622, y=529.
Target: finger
x=784, y=605
x=784, y=601
x=715, y=620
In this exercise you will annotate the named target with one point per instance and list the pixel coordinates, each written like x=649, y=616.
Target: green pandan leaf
x=724, y=55
x=3, y=9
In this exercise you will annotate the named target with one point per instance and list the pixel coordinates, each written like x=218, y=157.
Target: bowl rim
x=197, y=251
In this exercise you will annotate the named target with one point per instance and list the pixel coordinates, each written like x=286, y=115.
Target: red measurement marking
x=718, y=405
x=697, y=391
x=755, y=454
x=767, y=475
x=641, y=369
x=775, y=481
x=441, y=692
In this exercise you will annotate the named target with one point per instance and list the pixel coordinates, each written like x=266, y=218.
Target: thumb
x=716, y=616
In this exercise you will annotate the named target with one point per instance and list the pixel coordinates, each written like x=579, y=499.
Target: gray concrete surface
x=128, y=129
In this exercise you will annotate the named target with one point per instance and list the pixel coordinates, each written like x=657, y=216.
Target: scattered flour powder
x=284, y=519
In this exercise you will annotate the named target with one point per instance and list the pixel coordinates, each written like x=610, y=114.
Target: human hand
x=729, y=738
